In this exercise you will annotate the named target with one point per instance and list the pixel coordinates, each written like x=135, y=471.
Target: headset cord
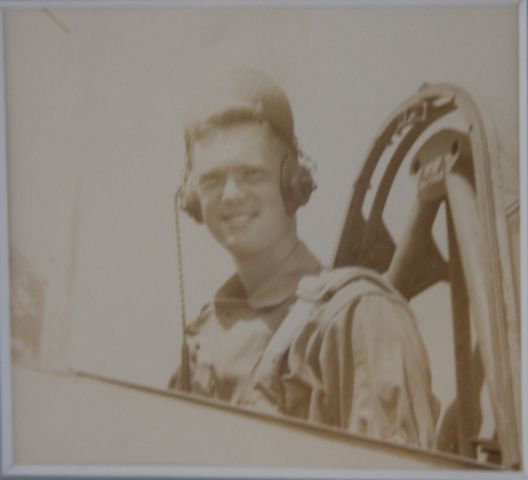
x=184, y=370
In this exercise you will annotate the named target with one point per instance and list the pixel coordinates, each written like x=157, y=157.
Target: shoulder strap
x=331, y=289
x=322, y=287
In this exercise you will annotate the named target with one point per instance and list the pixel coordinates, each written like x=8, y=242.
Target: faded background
x=95, y=151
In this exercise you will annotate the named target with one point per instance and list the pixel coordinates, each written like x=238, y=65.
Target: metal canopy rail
x=457, y=168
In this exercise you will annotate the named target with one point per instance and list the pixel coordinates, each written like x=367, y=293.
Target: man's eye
x=253, y=174
x=211, y=181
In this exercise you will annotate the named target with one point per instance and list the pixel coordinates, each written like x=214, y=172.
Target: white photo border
x=10, y=471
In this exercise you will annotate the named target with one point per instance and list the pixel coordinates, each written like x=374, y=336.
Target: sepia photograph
x=263, y=239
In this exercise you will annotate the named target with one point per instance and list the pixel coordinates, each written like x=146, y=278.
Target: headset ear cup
x=302, y=186
x=190, y=203
x=286, y=174
x=297, y=185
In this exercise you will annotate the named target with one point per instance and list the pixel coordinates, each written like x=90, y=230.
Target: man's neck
x=255, y=269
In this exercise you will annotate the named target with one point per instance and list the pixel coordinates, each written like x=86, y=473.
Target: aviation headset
x=296, y=184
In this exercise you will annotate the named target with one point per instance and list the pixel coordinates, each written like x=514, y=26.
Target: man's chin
x=239, y=247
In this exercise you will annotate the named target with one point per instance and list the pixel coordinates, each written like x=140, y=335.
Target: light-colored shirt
x=339, y=347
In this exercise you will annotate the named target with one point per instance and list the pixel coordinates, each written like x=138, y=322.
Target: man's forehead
x=238, y=140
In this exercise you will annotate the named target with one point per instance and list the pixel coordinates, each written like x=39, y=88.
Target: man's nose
x=231, y=190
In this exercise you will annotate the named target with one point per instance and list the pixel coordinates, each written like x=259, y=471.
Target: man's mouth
x=238, y=219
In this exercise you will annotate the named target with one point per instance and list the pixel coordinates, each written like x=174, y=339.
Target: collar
x=276, y=289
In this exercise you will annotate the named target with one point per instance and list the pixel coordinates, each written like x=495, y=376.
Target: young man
x=285, y=335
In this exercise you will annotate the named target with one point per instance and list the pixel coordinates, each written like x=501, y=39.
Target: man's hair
x=231, y=118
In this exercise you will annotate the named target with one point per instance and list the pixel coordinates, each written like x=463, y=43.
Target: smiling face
x=237, y=170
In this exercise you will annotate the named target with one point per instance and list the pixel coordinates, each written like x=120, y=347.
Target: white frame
x=8, y=470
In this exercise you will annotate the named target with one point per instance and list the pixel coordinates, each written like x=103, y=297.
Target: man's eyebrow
x=253, y=167
x=211, y=173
